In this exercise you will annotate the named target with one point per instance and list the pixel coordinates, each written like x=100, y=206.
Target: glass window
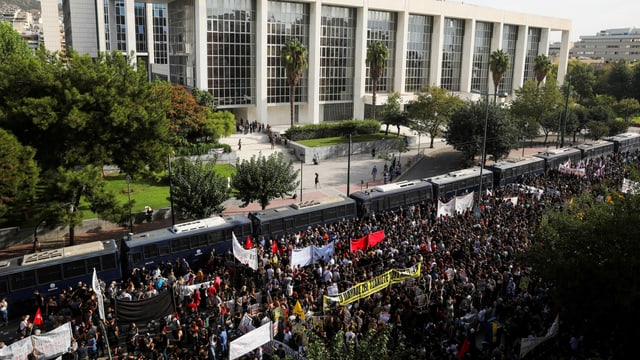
x=418, y=52
x=337, y=58
x=509, y=42
x=160, y=34
x=135, y=258
x=23, y=280
x=452, y=53
x=74, y=268
x=481, y=56
x=150, y=251
x=49, y=274
x=140, y=12
x=231, y=44
x=533, y=43
x=94, y=262
x=382, y=26
x=164, y=250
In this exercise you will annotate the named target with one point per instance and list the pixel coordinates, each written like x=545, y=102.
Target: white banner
x=325, y=252
x=19, y=350
x=252, y=340
x=527, y=344
x=447, y=208
x=630, y=186
x=95, y=284
x=513, y=200
x=54, y=343
x=301, y=257
x=464, y=202
x=247, y=257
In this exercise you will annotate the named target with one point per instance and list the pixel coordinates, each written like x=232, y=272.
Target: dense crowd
x=472, y=288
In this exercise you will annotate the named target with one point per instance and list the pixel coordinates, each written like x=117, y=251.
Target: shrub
x=332, y=129
x=200, y=149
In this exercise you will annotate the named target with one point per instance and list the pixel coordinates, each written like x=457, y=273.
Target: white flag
x=251, y=340
x=95, y=284
x=247, y=257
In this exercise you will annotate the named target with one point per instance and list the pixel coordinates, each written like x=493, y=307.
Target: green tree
x=466, y=130
x=19, y=174
x=541, y=67
x=264, y=178
x=431, y=111
x=539, y=107
x=81, y=113
x=583, y=80
x=187, y=118
x=619, y=79
x=198, y=191
x=597, y=129
x=203, y=98
x=11, y=43
x=373, y=345
x=586, y=253
x=627, y=108
x=392, y=113
x=634, y=91
x=219, y=124
x=294, y=59
x=377, y=56
x=499, y=65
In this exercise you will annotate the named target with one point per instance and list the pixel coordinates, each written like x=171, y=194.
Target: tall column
x=564, y=57
x=435, y=71
x=261, y=61
x=113, y=41
x=360, y=73
x=315, y=30
x=130, y=21
x=200, y=48
x=149, y=32
x=521, y=53
x=402, y=38
x=102, y=46
x=468, y=47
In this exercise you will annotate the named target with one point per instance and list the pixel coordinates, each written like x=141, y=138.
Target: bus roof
x=459, y=175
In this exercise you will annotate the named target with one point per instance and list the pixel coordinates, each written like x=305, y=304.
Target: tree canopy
x=264, y=178
x=499, y=64
x=18, y=174
x=587, y=252
x=393, y=114
x=11, y=43
x=431, y=111
x=198, y=191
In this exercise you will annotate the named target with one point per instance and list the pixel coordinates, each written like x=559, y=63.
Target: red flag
x=374, y=238
x=464, y=348
x=274, y=247
x=359, y=244
x=37, y=320
x=248, y=244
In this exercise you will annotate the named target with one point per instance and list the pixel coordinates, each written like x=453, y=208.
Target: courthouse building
x=232, y=48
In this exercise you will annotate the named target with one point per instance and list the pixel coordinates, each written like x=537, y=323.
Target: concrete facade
x=232, y=49
x=609, y=45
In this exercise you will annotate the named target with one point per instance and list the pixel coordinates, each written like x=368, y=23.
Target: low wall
x=306, y=153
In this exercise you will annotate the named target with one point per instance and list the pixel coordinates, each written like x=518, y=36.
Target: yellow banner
x=369, y=287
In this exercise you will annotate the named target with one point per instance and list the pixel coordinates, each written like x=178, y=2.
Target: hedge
x=332, y=129
x=200, y=149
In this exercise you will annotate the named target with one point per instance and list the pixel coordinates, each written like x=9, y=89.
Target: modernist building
x=609, y=45
x=232, y=48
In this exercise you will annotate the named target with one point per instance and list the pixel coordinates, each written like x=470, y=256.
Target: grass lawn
x=142, y=193
x=345, y=139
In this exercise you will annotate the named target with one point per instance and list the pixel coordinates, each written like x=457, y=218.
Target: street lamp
x=173, y=216
x=502, y=95
x=526, y=126
x=129, y=196
x=301, y=167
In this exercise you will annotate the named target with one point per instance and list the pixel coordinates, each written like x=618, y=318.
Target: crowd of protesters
x=472, y=288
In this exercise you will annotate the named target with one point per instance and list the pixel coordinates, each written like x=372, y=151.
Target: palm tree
x=541, y=67
x=498, y=64
x=377, y=54
x=294, y=59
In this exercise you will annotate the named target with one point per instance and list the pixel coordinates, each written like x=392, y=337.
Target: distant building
x=231, y=48
x=609, y=45
x=51, y=26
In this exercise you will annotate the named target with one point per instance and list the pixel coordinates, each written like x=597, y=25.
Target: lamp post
x=173, y=216
x=301, y=168
x=349, y=168
x=526, y=126
x=129, y=196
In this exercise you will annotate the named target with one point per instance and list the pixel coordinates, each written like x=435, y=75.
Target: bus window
x=23, y=280
x=108, y=262
x=74, y=268
x=49, y=274
x=94, y=263
x=150, y=251
x=164, y=250
x=4, y=286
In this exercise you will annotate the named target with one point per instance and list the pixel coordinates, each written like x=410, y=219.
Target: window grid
x=418, y=52
x=509, y=43
x=452, y=54
x=533, y=43
x=286, y=20
x=231, y=44
x=337, y=111
x=160, y=34
x=481, y=55
x=382, y=26
x=181, y=40
x=121, y=26
x=337, y=58
x=140, y=12
x=106, y=25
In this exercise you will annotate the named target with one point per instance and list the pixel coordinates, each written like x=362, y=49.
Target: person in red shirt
x=192, y=307
x=211, y=293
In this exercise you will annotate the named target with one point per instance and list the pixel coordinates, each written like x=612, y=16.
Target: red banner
x=375, y=238
x=359, y=244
